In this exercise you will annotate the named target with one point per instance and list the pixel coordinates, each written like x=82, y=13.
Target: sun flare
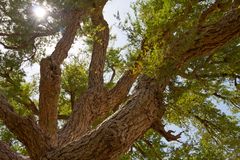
x=39, y=12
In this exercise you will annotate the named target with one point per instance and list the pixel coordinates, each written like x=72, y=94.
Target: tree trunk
x=117, y=133
x=114, y=136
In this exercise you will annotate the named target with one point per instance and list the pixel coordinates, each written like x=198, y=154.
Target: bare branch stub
x=159, y=127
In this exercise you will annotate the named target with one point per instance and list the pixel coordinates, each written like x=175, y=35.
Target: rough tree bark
x=50, y=80
x=144, y=110
x=26, y=130
x=116, y=134
x=7, y=154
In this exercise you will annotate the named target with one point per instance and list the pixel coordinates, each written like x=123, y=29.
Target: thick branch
x=91, y=105
x=63, y=46
x=211, y=38
x=7, y=154
x=214, y=36
x=24, y=128
x=115, y=135
x=97, y=103
x=50, y=72
x=120, y=92
x=94, y=102
x=100, y=44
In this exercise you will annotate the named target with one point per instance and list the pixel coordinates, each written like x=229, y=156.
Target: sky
x=112, y=8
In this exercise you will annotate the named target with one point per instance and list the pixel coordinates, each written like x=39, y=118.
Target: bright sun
x=39, y=12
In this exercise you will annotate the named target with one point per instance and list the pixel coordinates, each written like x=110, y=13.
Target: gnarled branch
x=94, y=102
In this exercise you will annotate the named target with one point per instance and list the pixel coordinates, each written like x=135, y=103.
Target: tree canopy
x=172, y=92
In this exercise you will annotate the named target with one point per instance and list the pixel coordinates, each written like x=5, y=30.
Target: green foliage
x=71, y=4
x=74, y=83
x=74, y=78
x=114, y=65
x=12, y=82
x=9, y=138
x=194, y=96
x=149, y=147
x=204, y=148
x=161, y=25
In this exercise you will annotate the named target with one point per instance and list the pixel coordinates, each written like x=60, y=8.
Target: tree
x=181, y=57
